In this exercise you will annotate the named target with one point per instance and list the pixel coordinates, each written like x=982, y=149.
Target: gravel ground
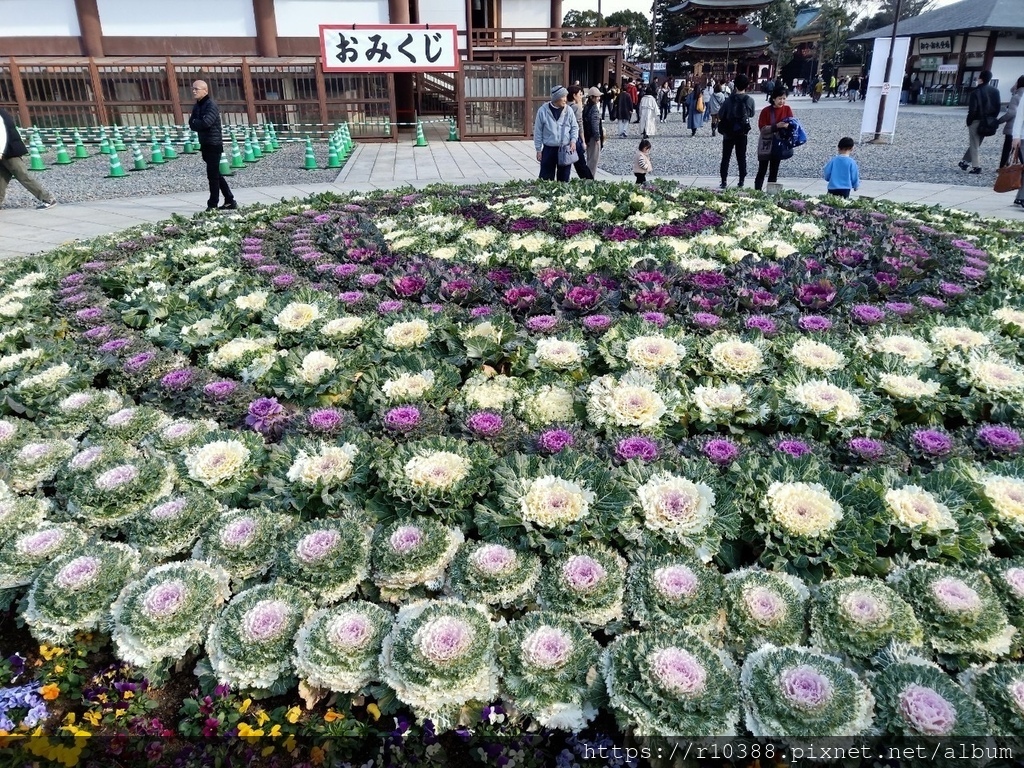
x=928, y=144
x=86, y=179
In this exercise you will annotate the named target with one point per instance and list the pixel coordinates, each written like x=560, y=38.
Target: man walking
x=12, y=150
x=205, y=121
x=734, y=124
x=982, y=120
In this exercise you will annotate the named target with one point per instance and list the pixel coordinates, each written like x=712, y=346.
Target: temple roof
x=959, y=17
x=740, y=6
x=752, y=39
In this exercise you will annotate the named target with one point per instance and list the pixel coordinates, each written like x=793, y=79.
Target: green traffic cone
x=80, y=150
x=35, y=159
x=249, y=156
x=169, y=152
x=118, y=140
x=421, y=140
x=236, y=155
x=63, y=158
x=140, y=161
x=255, y=141
x=273, y=138
x=453, y=134
x=104, y=143
x=268, y=143
x=310, y=159
x=333, y=161
x=156, y=154
x=116, y=171
x=225, y=166
x=387, y=128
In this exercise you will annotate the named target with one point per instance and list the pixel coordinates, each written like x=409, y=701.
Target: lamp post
x=654, y=26
x=888, y=73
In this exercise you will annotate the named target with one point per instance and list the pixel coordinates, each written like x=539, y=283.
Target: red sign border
x=422, y=27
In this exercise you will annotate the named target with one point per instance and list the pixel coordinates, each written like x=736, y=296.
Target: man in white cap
x=554, y=127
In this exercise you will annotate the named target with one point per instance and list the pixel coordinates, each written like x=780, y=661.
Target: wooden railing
x=521, y=37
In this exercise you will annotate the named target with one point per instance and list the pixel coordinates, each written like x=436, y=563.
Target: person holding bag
x=1017, y=152
x=771, y=150
x=555, y=131
x=593, y=129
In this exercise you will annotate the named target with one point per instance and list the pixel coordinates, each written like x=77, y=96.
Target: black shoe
x=211, y=207
x=740, y=184
x=963, y=165
x=723, y=185
x=229, y=206
x=1019, y=202
x=975, y=171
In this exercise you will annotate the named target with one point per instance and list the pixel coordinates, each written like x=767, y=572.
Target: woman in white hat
x=593, y=128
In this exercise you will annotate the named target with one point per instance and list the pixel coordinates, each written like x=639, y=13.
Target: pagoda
x=722, y=37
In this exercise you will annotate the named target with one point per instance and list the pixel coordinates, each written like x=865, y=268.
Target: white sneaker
x=46, y=204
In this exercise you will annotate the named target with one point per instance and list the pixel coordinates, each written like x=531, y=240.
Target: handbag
x=567, y=155
x=1008, y=178
x=781, y=148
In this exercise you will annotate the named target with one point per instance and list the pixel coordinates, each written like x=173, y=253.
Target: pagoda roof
x=964, y=16
x=750, y=40
x=719, y=5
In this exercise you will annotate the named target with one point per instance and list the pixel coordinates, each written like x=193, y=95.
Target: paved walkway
x=382, y=166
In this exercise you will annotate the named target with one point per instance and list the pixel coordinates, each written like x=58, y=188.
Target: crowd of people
x=568, y=119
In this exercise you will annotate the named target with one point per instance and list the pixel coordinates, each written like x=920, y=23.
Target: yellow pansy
x=261, y=717
x=373, y=710
x=293, y=714
x=244, y=706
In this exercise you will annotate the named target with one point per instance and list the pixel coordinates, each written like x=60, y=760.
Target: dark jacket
x=205, y=121
x=983, y=102
x=591, y=122
x=15, y=146
x=624, y=105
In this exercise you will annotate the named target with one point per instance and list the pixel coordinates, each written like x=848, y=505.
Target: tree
x=638, y=33
x=835, y=23
x=778, y=21
x=887, y=11
x=672, y=28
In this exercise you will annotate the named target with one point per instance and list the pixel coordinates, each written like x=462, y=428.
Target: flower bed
x=517, y=460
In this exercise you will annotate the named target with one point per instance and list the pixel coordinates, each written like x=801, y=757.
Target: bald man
x=205, y=121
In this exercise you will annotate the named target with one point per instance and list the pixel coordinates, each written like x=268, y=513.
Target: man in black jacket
x=982, y=120
x=12, y=150
x=205, y=121
x=738, y=109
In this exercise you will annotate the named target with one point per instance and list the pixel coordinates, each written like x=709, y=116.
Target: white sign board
x=877, y=85
x=389, y=47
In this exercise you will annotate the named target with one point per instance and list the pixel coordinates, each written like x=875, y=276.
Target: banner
x=389, y=47
x=876, y=86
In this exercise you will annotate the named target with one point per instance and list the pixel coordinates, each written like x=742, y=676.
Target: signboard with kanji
x=389, y=47
x=933, y=45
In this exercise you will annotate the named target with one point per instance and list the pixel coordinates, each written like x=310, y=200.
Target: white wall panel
x=302, y=18
x=443, y=12
x=38, y=18
x=181, y=18
x=531, y=14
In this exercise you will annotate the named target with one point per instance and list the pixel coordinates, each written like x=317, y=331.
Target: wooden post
x=172, y=84
x=97, y=93
x=460, y=103
x=19, y=94
x=393, y=107
x=321, y=89
x=250, y=99
x=528, y=96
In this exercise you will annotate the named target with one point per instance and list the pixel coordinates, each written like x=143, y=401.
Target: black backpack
x=732, y=117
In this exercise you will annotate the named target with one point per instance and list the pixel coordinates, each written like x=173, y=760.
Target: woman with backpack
x=664, y=102
x=773, y=120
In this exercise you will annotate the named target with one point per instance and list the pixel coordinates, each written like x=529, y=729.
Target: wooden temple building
x=722, y=43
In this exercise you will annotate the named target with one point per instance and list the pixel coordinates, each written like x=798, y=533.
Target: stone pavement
x=382, y=166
